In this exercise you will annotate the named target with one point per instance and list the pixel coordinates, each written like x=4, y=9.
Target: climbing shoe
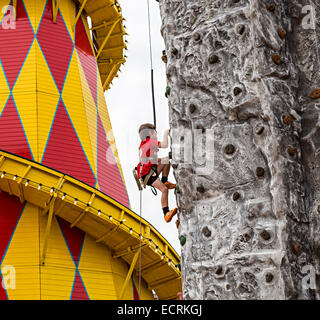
x=169, y=215
x=170, y=185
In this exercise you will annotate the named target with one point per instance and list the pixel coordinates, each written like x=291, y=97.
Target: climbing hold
x=269, y=277
x=276, y=58
x=237, y=91
x=259, y=129
x=174, y=51
x=315, y=94
x=236, y=196
x=192, y=108
x=196, y=36
x=168, y=90
x=182, y=240
x=282, y=33
x=177, y=223
x=213, y=59
x=164, y=56
x=287, y=119
x=295, y=248
x=292, y=151
x=271, y=7
x=170, y=155
x=240, y=29
x=177, y=189
x=219, y=270
x=206, y=231
x=260, y=172
x=265, y=235
x=179, y=266
x=229, y=149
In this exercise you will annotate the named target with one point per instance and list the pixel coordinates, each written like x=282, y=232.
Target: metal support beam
x=133, y=264
x=110, y=76
x=58, y=186
x=79, y=13
x=55, y=9
x=163, y=281
x=108, y=36
x=46, y=237
x=2, y=159
x=126, y=252
x=21, y=196
x=75, y=222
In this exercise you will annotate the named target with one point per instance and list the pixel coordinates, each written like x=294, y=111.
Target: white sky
x=130, y=104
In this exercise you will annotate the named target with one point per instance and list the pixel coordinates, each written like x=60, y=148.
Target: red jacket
x=147, y=149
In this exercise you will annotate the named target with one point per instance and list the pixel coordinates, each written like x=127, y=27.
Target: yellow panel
x=45, y=81
x=31, y=7
x=39, y=8
x=56, y=283
x=27, y=284
x=94, y=256
x=26, y=81
x=47, y=105
x=23, y=254
x=91, y=112
x=68, y=12
x=57, y=251
x=24, y=246
x=99, y=285
x=75, y=106
x=145, y=294
x=57, y=275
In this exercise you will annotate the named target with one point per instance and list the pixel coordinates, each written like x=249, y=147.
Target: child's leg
x=168, y=215
x=164, y=192
x=164, y=168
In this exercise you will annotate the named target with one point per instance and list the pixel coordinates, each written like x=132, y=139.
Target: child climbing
x=150, y=166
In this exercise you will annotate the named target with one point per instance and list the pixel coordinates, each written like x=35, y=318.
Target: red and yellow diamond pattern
x=53, y=111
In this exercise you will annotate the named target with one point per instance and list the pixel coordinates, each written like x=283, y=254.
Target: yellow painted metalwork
x=55, y=9
x=46, y=236
x=132, y=266
x=103, y=215
x=80, y=12
x=106, y=20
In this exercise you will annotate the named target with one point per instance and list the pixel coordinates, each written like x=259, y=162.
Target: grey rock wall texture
x=248, y=70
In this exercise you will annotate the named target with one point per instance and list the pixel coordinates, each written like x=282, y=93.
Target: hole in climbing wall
x=192, y=108
x=241, y=29
x=196, y=37
x=213, y=59
x=236, y=196
x=237, y=91
x=229, y=149
x=260, y=172
x=206, y=231
x=269, y=277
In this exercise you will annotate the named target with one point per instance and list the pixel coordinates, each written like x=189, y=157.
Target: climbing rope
x=151, y=65
x=140, y=244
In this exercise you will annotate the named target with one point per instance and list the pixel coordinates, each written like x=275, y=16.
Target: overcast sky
x=130, y=104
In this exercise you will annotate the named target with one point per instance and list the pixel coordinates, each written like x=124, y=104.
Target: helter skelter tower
x=66, y=228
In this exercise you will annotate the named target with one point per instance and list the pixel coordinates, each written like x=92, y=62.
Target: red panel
x=64, y=152
x=56, y=44
x=79, y=292
x=74, y=238
x=15, y=44
x=10, y=211
x=87, y=58
x=109, y=177
x=12, y=137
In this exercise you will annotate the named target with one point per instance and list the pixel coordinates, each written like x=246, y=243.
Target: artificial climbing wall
x=52, y=105
x=249, y=70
